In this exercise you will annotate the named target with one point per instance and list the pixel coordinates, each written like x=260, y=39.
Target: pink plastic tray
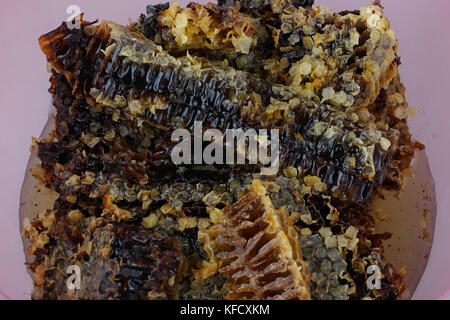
x=424, y=44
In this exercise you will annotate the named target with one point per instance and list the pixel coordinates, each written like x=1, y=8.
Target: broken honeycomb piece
x=115, y=262
x=365, y=155
x=319, y=52
x=329, y=277
x=197, y=198
x=257, y=247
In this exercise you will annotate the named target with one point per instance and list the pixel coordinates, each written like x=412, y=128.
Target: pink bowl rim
x=4, y=296
x=446, y=295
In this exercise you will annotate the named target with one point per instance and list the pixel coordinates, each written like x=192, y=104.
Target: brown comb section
x=110, y=65
x=258, y=249
x=117, y=262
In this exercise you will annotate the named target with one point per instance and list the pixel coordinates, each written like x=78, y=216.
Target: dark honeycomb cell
x=149, y=264
x=261, y=4
x=148, y=21
x=303, y=3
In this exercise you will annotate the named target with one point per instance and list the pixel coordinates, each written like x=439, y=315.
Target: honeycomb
x=257, y=247
x=141, y=227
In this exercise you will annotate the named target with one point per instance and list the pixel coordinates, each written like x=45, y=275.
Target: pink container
x=422, y=30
